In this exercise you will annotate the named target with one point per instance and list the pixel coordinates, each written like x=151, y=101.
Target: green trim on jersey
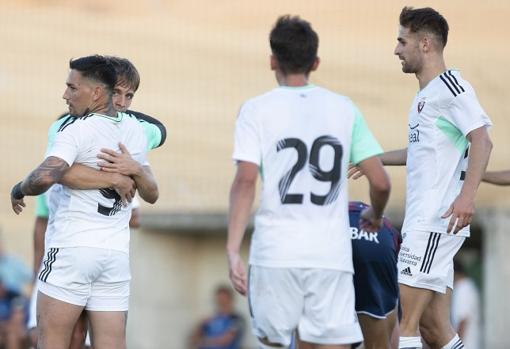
x=117, y=118
x=52, y=131
x=363, y=143
x=152, y=132
x=452, y=133
x=41, y=207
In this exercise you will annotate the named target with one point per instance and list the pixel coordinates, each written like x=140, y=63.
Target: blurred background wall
x=199, y=60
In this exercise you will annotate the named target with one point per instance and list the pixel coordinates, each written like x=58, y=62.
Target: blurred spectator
x=224, y=329
x=14, y=273
x=466, y=308
x=12, y=318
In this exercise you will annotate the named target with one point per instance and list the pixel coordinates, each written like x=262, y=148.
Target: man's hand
x=121, y=162
x=124, y=186
x=368, y=221
x=237, y=272
x=354, y=172
x=461, y=212
x=17, y=199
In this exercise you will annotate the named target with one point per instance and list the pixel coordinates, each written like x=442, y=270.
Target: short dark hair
x=294, y=44
x=127, y=74
x=425, y=19
x=96, y=67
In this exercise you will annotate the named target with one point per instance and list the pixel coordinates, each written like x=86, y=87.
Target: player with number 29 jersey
x=302, y=139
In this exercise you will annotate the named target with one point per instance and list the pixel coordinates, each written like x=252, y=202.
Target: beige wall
x=174, y=278
x=198, y=62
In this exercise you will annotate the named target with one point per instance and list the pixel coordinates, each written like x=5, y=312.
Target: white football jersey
x=441, y=116
x=93, y=218
x=302, y=139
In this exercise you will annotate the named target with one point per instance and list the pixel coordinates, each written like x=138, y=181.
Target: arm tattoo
x=43, y=177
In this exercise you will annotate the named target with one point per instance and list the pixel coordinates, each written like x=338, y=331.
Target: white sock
x=455, y=343
x=410, y=343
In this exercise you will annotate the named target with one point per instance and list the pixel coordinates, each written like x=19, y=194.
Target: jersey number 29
x=332, y=175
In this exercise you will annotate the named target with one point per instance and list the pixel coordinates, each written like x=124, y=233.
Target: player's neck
x=105, y=108
x=431, y=69
x=292, y=80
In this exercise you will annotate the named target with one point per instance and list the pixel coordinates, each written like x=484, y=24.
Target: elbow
x=151, y=199
x=382, y=185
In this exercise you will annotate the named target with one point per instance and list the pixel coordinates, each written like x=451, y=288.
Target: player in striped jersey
x=446, y=157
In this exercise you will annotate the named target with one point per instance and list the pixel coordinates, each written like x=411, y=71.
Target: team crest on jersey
x=421, y=104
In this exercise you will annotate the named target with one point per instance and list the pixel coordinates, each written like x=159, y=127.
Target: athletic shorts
x=319, y=303
x=426, y=260
x=375, y=278
x=95, y=278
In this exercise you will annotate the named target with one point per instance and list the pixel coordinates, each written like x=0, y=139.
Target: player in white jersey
x=87, y=265
x=447, y=153
x=84, y=177
x=300, y=137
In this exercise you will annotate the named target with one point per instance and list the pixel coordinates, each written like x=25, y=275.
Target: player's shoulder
x=139, y=116
x=451, y=85
x=64, y=122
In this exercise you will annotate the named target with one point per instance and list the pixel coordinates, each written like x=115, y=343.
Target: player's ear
x=426, y=43
x=97, y=91
x=315, y=64
x=273, y=62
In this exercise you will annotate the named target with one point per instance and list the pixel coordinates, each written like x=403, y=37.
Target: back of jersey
x=94, y=218
x=301, y=140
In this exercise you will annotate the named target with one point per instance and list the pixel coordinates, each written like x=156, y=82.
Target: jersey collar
x=116, y=118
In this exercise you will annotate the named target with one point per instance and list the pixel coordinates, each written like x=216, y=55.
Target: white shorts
x=95, y=278
x=319, y=303
x=425, y=260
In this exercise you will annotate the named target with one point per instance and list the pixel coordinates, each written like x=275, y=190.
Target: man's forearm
x=497, y=177
x=394, y=157
x=378, y=199
x=84, y=177
x=479, y=154
x=242, y=195
x=44, y=176
x=146, y=185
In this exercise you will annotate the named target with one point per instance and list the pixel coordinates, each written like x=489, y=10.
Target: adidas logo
x=406, y=271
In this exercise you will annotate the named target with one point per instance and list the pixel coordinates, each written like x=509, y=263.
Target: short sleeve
x=41, y=207
x=466, y=113
x=247, y=140
x=66, y=145
x=363, y=143
x=52, y=131
x=154, y=129
x=153, y=134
